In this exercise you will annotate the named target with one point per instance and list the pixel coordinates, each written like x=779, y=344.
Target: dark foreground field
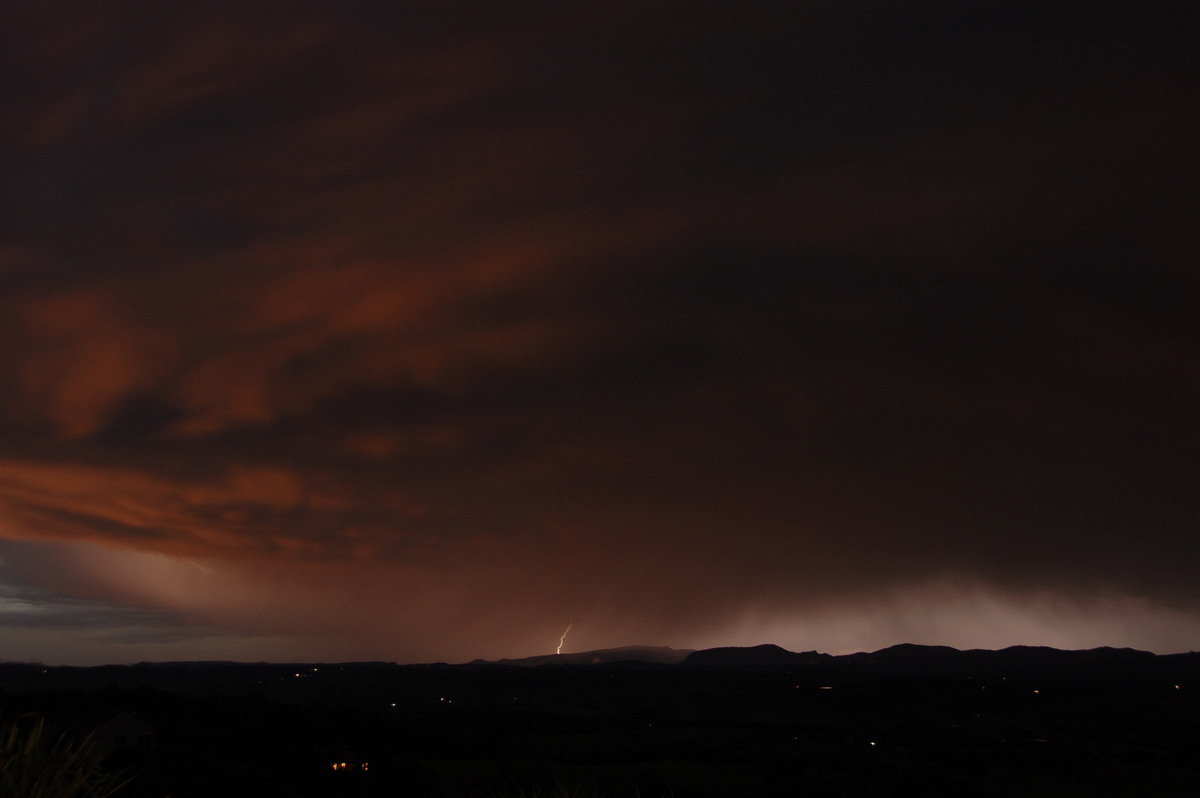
x=908, y=723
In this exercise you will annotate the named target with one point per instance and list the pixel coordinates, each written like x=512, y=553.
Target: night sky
x=421, y=331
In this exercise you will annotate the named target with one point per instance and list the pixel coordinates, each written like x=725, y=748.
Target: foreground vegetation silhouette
x=37, y=764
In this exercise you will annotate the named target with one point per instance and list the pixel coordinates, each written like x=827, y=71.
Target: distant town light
x=338, y=766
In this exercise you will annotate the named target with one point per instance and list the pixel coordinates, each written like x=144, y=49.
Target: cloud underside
x=229, y=610
x=399, y=339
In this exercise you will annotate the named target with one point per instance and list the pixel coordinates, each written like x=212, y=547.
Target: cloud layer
x=364, y=333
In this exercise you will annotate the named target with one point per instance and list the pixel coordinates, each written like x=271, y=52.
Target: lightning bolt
x=564, y=637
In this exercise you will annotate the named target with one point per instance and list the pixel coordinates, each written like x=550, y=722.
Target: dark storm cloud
x=779, y=321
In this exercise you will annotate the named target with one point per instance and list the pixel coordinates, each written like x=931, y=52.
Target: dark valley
x=907, y=720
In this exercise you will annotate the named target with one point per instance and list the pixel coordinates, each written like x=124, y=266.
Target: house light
x=346, y=766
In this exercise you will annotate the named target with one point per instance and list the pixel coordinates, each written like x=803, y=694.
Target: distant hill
x=943, y=659
x=900, y=659
x=764, y=656
x=657, y=655
x=903, y=658
x=910, y=658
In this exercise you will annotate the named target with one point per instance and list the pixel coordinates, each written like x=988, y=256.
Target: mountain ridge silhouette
x=900, y=658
